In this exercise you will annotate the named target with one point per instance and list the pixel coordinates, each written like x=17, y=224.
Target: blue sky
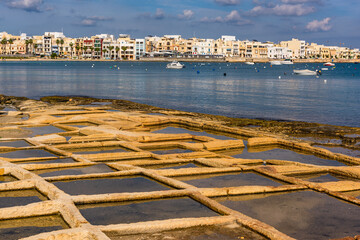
x=331, y=22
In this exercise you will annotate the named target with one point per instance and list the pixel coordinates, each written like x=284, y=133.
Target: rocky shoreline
x=348, y=136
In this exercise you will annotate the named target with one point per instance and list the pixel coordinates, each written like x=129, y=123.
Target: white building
x=279, y=53
x=228, y=38
x=140, y=48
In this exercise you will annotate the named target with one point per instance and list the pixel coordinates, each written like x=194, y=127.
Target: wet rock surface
x=121, y=139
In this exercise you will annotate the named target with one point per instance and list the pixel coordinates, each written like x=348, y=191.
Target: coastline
x=282, y=127
x=194, y=59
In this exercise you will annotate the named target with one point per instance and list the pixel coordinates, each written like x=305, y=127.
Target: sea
x=259, y=91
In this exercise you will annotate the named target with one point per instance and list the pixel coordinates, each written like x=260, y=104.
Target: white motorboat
x=306, y=72
x=275, y=63
x=249, y=63
x=175, y=65
x=287, y=62
x=329, y=64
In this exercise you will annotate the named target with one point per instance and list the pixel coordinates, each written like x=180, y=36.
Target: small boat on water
x=329, y=64
x=249, y=63
x=306, y=72
x=287, y=62
x=175, y=65
x=324, y=69
x=275, y=63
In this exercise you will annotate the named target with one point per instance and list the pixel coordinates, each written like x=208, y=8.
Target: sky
x=330, y=22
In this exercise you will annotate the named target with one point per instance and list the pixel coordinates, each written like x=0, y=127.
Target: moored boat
x=275, y=63
x=287, y=62
x=329, y=64
x=306, y=72
x=249, y=63
x=175, y=65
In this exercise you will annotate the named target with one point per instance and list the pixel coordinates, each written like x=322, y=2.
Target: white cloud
x=233, y=17
x=227, y=2
x=26, y=5
x=159, y=14
x=187, y=14
x=301, y=1
x=93, y=20
x=283, y=10
x=322, y=25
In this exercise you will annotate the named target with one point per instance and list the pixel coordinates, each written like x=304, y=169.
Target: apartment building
x=140, y=48
x=296, y=46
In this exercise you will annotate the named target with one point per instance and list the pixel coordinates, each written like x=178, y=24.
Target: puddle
x=301, y=215
x=346, y=151
x=7, y=178
x=59, y=160
x=16, y=144
x=156, y=114
x=355, y=194
x=176, y=130
x=81, y=125
x=163, y=151
x=130, y=212
x=216, y=232
x=324, y=177
x=319, y=140
x=229, y=180
x=31, y=153
x=99, y=168
x=8, y=109
x=174, y=166
x=110, y=185
x=98, y=150
x=20, y=197
x=26, y=227
x=36, y=131
x=280, y=154
x=352, y=135
x=73, y=110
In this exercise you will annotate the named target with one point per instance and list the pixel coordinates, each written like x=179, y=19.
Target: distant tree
x=4, y=42
x=78, y=50
x=61, y=44
x=10, y=41
x=124, y=51
x=92, y=50
x=35, y=47
x=71, y=48
x=85, y=50
x=110, y=49
x=26, y=46
x=31, y=43
x=117, y=49
x=53, y=55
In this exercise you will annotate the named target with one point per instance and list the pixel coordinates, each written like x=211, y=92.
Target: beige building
x=296, y=46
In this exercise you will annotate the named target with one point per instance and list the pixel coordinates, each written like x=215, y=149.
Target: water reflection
x=25, y=227
x=301, y=215
x=129, y=212
x=279, y=153
x=229, y=180
x=110, y=185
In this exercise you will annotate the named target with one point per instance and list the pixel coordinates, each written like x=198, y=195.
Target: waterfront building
x=140, y=48
x=276, y=52
x=296, y=46
x=126, y=47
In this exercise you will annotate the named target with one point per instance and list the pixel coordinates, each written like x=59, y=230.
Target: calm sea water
x=258, y=91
